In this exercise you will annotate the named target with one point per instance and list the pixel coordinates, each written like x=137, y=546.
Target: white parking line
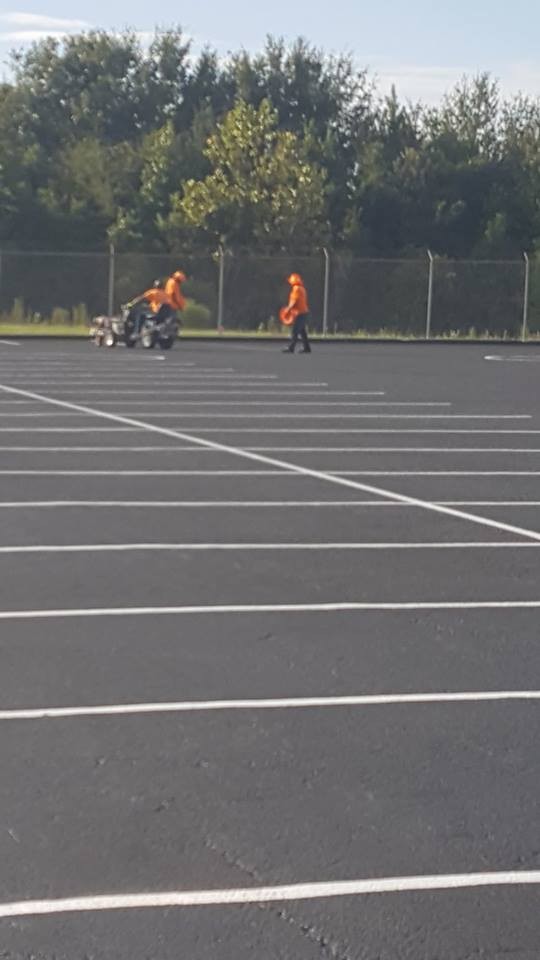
x=435, y=473
x=50, y=416
x=174, y=448
x=110, y=449
x=190, y=504
x=217, y=376
x=287, y=703
x=414, y=450
x=267, y=473
x=71, y=613
x=178, y=383
x=282, y=465
x=263, y=403
x=405, y=431
x=318, y=416
x=150, y=473
x=285, y=390
x=263, y=547
x=262, y=430
x=70, y=430
x=515, y=359
x=275, y=894
x=253, y=504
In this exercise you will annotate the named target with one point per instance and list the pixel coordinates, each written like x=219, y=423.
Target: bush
x=17, y=314
x=196, y=316
x=60, y=317
x=80, y=316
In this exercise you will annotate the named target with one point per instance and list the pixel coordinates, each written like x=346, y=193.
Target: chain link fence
x=416, y=298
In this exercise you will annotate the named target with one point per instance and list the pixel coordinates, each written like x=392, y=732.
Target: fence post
x=110, y=299
x=221, y=288
x=430, y=294
x=525, y=325
x=326, y=295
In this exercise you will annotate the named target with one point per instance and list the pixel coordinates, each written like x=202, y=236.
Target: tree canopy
x=103, y=139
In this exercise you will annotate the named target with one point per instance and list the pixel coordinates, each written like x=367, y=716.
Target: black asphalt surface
x=229, y=799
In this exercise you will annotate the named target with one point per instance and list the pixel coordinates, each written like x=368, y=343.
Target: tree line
x=156, y=148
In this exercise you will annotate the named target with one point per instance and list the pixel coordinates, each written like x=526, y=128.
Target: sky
x=420, y=46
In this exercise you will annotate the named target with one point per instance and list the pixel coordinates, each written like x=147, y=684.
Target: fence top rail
x=255, y=257
x=485, y=263
x=55, y=253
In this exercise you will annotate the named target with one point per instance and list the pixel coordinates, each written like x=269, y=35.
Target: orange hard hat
x=295, y=280
x=181, y=277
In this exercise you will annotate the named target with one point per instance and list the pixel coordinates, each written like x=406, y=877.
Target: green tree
x=262, y=189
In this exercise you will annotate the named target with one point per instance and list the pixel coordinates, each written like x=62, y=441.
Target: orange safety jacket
x=156, y=298
x=175, y=295
x=298, y=301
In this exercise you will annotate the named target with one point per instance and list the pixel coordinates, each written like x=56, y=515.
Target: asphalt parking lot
x=270, y=681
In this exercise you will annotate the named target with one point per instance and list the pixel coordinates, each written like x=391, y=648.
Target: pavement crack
x=328, y=945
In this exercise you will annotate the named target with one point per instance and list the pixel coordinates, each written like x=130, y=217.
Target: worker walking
x=296, y=314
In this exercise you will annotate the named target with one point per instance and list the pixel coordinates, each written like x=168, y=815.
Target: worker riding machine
x=136, y=324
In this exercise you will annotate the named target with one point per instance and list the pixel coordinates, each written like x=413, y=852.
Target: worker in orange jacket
x=173, y=289
x=158, y=300
x=297, y=313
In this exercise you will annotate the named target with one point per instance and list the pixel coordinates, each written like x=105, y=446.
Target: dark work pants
x=164, y=313
x=299, y=332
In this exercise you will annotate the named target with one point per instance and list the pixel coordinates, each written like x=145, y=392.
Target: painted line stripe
x=10, y=343
x=279, y=608
x=44, y=371
x=71, y=430
x=298, y=504
x=283, y=391
x=227, y=373
x=149, y=473
x=181, y=382
x=50, y=416
x=258, y=431
x=520, y=450
x=110, y=449
x=157, y=504
x=239, y=547
x=274, y=894
x=287, y=703
x=364, y=430
x=282, y=465
x=317, y=416
x=267, y=473
x=435, y=473
x=219, y=402
x=174, y=377
x=515, y=359
x=148, y=448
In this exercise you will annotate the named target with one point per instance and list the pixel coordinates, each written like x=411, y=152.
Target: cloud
x=39, y=23
x=430, y=83
x=22, y=28
x=523, y=77
x=29, y=36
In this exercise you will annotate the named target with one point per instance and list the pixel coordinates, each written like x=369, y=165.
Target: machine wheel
x=110, y=338
x=148, y=339
x=166, y=343
x=130, y=342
